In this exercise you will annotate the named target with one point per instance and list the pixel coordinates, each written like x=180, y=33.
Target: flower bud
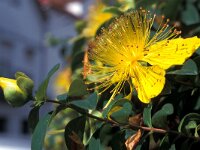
x=17, y=92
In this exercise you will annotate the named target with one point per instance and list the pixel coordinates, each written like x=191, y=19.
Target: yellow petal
x=148, y=81
x=9, y=83
x=171, y=52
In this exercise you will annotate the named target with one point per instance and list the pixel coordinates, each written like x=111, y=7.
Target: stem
x=131, y=126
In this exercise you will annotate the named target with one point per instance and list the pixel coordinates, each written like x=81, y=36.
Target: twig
x=131, y=126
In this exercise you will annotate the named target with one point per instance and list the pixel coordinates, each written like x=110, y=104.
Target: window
x=29, y=54
x=3, y=124
x=24, y=127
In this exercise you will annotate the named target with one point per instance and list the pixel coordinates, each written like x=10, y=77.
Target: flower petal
x=171, y=52
x=148, y=81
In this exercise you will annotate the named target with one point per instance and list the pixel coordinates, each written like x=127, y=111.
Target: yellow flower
x=96, y=17
x=62, y=81
x=128, y=52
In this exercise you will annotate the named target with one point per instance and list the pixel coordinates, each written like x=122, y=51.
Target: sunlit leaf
x=183, y=126
x=191, y=125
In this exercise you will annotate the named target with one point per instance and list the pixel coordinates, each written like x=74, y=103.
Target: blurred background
x=25, y=28
x=33, y=38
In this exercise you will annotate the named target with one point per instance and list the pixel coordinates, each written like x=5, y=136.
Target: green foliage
x=190, y=121
x=79, y=131
x=147, y=115
x=33, y=118
x=40, y=95
x=189, y=68
x=190, y=15
x=119, y=110
x=77, y=88
x=113, y=10
x=40, y=132
x=159, y=119
x=89, y=103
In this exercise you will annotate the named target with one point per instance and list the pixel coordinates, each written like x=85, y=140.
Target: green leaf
x=33, y=118
x=88, y=103
x=190, y=15
x=197, y=105
x=40, y=132
x=159, y=119
x=129, y=132
x=197, y=60
x=80, y=25
x=62, y=97
x=183, y=126
x=40, y=95
x=173, y=147
x=106, y=134
x=119, y=110
x=123, y=114
x=78, y=44
x=164, y=143
x=189, y=68
x=77, y=60
x=74, y=134
x=91, y=126
x=147, y=115
x=77, y=88
x=118, y=140
x=95, y=144
x=198, y=51
x=80, y=131
x=112, y=10
x=191, y=125
x=145, y=3
x=169, y=6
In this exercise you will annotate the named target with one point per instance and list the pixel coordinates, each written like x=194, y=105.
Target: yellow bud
x=12, y=93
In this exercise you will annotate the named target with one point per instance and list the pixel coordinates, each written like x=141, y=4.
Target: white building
x=23, y=26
